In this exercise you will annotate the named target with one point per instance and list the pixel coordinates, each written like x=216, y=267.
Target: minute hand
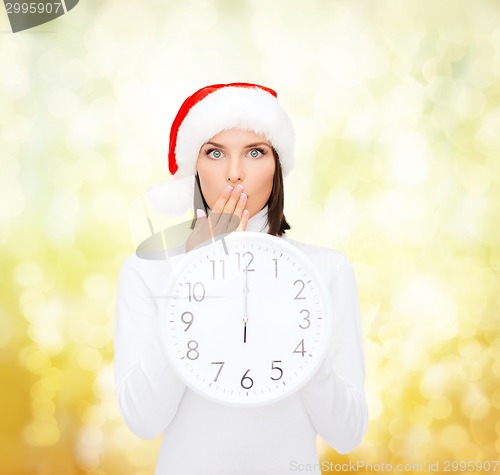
x=245, y=307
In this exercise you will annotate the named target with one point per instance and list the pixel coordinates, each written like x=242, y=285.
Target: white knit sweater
x=205, y=438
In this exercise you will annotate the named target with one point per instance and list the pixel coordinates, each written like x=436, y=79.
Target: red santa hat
x=219, y=107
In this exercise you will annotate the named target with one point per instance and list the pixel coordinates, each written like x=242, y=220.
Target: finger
x=231, y=203
x=240, y=206
x=222, y=200
x=228, y=222
x=245, y=216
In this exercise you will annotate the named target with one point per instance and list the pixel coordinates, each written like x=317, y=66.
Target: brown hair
x=278, y=224
x=276, y=220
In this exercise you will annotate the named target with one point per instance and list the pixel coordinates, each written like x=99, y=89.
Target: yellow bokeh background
x=396, y=106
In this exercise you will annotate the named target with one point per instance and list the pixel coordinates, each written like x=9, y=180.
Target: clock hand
x=245, y=307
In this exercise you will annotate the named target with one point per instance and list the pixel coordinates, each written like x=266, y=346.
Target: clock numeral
x=214, y=270
x=246, y=381
x=301, y=288
x=277, y=368
x=220, y=369
x=187, y=318
x=196, y=291
x=246, y=255
x=306, y=318
x=192, y=352
x=300, y=348
x=275, y=267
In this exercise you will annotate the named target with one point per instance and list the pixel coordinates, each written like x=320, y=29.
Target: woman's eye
x=256, y=153
x=214, y=154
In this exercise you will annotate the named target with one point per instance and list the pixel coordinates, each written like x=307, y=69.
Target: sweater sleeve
x=148, y=390
x=335, y=398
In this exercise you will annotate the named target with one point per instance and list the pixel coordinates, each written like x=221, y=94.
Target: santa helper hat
x=203, y=115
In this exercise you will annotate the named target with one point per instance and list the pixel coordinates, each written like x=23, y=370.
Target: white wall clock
x=246, y=320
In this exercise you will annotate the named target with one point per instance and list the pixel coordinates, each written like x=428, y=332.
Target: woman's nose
x=235, y=173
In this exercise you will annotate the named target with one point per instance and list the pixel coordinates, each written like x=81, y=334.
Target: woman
x=238, y=142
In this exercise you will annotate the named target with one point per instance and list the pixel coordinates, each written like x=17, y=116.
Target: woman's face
x=235, y=157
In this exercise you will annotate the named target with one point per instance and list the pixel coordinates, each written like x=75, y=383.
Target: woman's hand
x=230, y=205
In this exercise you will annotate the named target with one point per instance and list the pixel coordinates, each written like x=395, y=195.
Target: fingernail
x=246, y=213
x=239, y=186
x=243, y=197
x=228, y=190
x=200, y=213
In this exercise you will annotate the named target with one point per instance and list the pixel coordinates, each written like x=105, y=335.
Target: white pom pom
x=173, y=198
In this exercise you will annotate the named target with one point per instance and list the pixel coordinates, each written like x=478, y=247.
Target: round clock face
x=246, y=320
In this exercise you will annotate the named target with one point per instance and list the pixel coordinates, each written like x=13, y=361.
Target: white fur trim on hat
x=234, y=108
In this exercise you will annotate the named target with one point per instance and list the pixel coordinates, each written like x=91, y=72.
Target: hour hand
x=245, y=320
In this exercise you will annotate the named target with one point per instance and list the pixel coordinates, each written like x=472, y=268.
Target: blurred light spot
x=104, y=384
x=413, y=357
x=422, y=298
x=469, y=220
x=440, y=89
x=62, y=218
x=474, y=404
x=42, y=432
x=435, y=67
x=415, y=441
x=94, y=416
x=62, y=103
x=6, y=329
x=89, y=446
x=54, y=379
x=89, y=359
x=34, y=359
x=12, y=200
x=438, y=377
x=480, y=74
x=94, y=168
x=48, y=65
x=475, y=177
x=43, y=409
x=403, y=216
x=375, y=406
x=109, y=206
x=454, y=437
x=46, y=328
x=73, y=73
x=340, y=208
x=83, y=132
x=9, y=169
x=398, y=426
x=42, y=390
x=495, y=401
x=440, y=408
x=202, y=15
x=421, y=416
x=15, y=83
x=470, y=103
x=28, y=274
x=99, y=287
x=486, y=137
x=409, y=159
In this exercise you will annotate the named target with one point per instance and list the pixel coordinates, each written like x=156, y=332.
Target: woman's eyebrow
x=218, y=145
x=257, y=144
